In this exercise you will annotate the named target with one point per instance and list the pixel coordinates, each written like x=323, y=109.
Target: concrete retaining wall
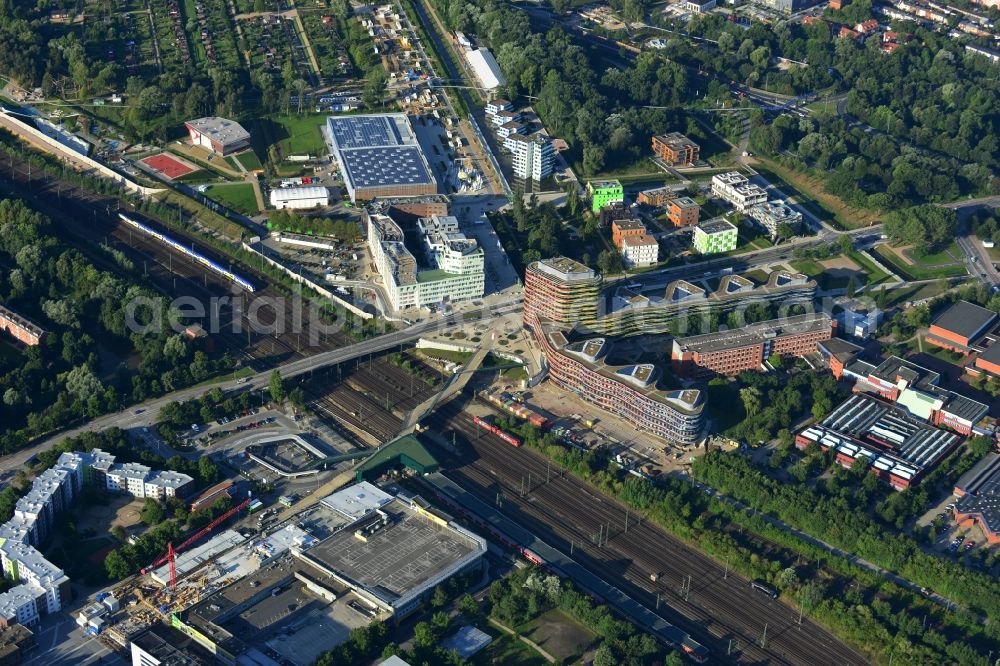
x=85, y=164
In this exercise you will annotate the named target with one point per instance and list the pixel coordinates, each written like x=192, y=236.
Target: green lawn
x=918, y=271
x=249, y=160
x=245, y=371
x=231, y=161
x=875, y=274
x=558, y=634
x=949, y=255
x=239, y=197
x=294, y=135
x=508, y=650
x=914, y=292
x=199, y=176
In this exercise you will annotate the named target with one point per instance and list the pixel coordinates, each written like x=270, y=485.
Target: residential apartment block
x=533, y=157
x=640, y=251
x=675, y=149
x=683, y=212
x=21, y=328
x=658, y=197
x=738, y=190
x=715, y=236
x=497, y=105
x=604, y=192
x=614, y=212
x=454, y=266
x=620, y=229
x=772, y=214
x=731, y=352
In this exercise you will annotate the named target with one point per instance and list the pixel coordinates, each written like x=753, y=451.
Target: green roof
x=433, y=276
x=407, y=451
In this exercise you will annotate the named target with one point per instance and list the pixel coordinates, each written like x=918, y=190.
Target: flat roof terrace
x=400, y=561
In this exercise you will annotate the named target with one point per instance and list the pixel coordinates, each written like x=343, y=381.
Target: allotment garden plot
x=272, y=40
x=325, y=34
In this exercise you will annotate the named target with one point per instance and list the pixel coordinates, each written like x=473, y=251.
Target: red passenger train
x=510, y=439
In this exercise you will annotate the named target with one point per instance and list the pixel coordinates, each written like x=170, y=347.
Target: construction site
x=291, y=592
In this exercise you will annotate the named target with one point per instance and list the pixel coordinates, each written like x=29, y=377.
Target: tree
x=610, y=262
x=152, y=513
x=605, y=656
x=116, y=566
x=469, y=607
x=787, y=578
x=118, y=532
x=207, y=470
x=439, y=598
x=750, y=396
x=82, y=384
x=276, y=386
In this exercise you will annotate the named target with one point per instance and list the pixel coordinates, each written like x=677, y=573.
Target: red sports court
x=169, y=166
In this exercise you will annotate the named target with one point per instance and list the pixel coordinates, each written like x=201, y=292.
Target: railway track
x=716, y=607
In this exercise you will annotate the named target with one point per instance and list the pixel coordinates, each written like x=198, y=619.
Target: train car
x=510, y=439
x=203, y=260
x=505, y=402
x=694, y=650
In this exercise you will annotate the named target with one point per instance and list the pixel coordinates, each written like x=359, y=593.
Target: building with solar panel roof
x=379, y=156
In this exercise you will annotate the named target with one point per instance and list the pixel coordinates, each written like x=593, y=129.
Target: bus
x=761, y=586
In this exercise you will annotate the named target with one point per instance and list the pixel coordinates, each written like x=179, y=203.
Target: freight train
x=201, y=259
x=506, y=402
x=510, y=439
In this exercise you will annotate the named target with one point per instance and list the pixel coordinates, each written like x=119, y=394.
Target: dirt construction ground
x=120, y=510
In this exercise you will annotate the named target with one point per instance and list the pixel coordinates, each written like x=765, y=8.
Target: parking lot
x=961, y=542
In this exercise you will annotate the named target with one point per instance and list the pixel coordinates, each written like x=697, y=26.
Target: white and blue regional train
x=205, y=261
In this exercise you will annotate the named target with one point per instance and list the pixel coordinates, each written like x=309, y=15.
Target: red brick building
x=675, y=149
x=960, y=325
x=20, y=328
x=728, y=353
x=683, y=212
x=620, y=229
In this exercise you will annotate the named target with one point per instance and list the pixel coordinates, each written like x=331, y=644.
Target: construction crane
x=171, y=554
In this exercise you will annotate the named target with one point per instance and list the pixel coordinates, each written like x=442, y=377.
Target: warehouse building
x=959, y=326
x=731, y=352
x=898, y=447
x=631, y=392
x=676, y=149
x=715, y=236
x=384, y=535
x=300, y=197
x=485, y=67
x=378, y=156
x=912, y=387
x=979, y=490
x=219, y=135
x=454, y=269
x=20, y=328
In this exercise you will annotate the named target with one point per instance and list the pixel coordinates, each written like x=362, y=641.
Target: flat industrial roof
x=358, y=500
x=399, y=560
x=386, y=165
x=965, y=319
x=378, y=150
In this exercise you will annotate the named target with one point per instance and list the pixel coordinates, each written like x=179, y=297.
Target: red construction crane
x=171, y=554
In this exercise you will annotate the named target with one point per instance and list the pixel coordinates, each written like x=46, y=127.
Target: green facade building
x=603, y=192
x=715, y=236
